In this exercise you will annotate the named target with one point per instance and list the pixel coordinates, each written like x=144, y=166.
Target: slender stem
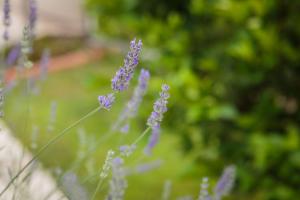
x=97, y=188
x=102, y=179
x=141, y=136
x=43, y=148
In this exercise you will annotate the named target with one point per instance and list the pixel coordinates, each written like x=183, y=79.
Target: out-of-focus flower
x=225, y=183
x=132, y=106
x=118, y=183
x=106, y=101
x=13, y=55
x=26, y=48
x=125, y=128
x=153, y=140
x=6, y=18
x=145, y=167
x=204, y=194
x=138, y=94
x=44, y=64
x=72, y=187
x=159, y=108
x=107, y=164
x=127, y=150
x=32, y=14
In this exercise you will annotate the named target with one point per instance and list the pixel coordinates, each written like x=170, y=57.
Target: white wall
x=55, y=18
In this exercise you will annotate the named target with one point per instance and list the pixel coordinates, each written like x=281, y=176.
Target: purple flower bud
x=153, y=140
x=139, y=93
x=204, y=194
x=132, y=106
x=32, y=14
x=124, y=129
x=118, y=183
x=117, y=161
x=160, y=107
x=44, y=64
x=6, y=18
x=13, y=55
x=127, y=150
x=106, y=101
x=123, y=76
x=147, y=166
x=225, y=182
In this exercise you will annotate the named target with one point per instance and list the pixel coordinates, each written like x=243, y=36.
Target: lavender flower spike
x=225, y=183
x=204, y=194
x=6, y=18
x=44, y=64
x=13, y=55
x=118, y=183
x=106, y=101
x=135, y=101
x=107, y=164
x=123, y=76
x=32, y=14
x=139, y=92
x=153, y=140
x=159, y=108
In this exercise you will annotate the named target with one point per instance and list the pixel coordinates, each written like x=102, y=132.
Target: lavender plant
x=118, y=183
x=44, y=64
x=32, y=15
x=204, y=194
x=114, y=165
x=132, y=106
x=225, y=183
x=6, y=19
x=159, y=108
x=123, y=76
x=222, y=188
x=13, y=55
x=119, y=83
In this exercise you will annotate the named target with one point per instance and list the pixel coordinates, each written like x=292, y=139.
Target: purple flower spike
x=225, y=183
x=153, y=140
x=124, y=129
x=118, y=182
x=127, y=150
x=159, y=108
x=44, y=64
x=106, y=101
x=132, y=106
x=13, y=55
x=6, y=18
x=117, y=161
x=123, y=76
x=138, y=94
x=204, y=194
x=32, y=14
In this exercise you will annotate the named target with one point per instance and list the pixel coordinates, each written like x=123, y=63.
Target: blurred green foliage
x=234, y=69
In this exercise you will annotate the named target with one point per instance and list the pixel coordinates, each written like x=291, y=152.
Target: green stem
x=141, y=136
x=97, y=189
x=101, y=179
x=43, y=148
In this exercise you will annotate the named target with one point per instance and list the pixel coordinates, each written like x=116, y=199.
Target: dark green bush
x=234, y=68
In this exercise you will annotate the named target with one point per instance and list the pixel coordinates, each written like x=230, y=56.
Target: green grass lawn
x=76, y=94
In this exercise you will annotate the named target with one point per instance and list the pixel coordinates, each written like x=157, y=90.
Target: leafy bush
x=235, y=79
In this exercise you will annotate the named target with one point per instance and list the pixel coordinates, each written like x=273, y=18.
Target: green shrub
x=234, y=69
